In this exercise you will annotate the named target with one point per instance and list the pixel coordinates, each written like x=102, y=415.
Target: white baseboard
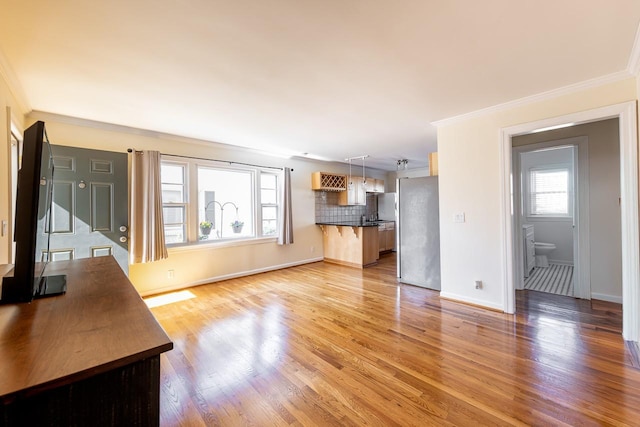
x=556, y=261
x=474, y=301
x=228, y=276
x=605, y=297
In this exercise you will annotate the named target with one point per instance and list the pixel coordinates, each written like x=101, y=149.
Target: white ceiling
x=332, y=78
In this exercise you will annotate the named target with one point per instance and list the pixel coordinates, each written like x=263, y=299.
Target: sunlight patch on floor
x=170, y=298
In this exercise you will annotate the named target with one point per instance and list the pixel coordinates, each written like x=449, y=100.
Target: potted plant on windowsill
x=237, y=226
x=205, y=227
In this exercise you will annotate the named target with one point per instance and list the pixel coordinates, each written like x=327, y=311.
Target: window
x=550, y=192
x=269, y=203
x=225, y=199
x=174, y=202
x=206, y=202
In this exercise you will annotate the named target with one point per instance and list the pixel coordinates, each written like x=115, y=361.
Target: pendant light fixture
x=364, y=175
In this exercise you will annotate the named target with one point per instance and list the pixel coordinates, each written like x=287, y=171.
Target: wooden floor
x=325, y=345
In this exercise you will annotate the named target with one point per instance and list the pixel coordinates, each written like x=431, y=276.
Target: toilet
x=542, y=250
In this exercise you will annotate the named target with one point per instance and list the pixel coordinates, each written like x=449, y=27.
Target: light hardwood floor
x=322, y=344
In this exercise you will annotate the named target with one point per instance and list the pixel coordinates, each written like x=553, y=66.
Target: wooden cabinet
x=387, y=237
x=328, y=181
x=433, y=164
x=374, y=185
x=89, y=357
x=350, y=245
x=353, y=190
x=355, y=194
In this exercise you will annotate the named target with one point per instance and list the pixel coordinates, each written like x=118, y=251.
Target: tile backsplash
x=328, y=210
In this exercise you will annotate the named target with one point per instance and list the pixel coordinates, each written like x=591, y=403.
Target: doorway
x=630, y=258
x=548, y=216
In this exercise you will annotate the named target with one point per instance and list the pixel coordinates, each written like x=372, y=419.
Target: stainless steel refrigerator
x=419, y=232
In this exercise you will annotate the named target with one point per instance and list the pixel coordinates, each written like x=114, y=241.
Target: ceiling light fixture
x=364, y=176
x=402, y=164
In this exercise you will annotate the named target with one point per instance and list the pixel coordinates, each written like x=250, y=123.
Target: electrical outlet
x=478, y=284
x=170, y=274
x=312, y=249
x=458, y=217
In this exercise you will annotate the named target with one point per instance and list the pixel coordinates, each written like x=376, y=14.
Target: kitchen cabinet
x=351, y=245
x=328, y=181
x=374, y=185
x=387, y=236
x=433, y=164
x=355, y=193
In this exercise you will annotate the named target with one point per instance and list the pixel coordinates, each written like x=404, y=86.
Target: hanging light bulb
x=364, y=175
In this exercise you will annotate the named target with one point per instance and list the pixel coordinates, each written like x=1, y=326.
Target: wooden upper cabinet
x=328, y=181
x=356, y=193
x=379, y=188
x=433, y=164
x=374, y=185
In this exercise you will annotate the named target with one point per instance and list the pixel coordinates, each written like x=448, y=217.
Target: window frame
x=192, y=204
x=263, y=205
x=184, y=204
x=558, y=167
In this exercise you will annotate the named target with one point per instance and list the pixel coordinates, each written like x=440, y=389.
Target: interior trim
x=543, y=96
x=626, y=112
x=634, y=58
x=13, y=83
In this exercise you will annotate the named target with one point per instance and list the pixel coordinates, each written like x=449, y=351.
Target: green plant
x=205, y=224
x=237, y=223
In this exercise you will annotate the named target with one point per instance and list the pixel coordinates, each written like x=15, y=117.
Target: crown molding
x=634, y=58
x=110, y=127
x=9, y=76
x=544, y=96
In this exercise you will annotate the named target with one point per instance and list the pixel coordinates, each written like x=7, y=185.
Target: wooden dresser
x=89, y=357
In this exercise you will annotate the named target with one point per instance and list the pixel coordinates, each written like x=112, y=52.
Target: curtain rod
x=131, y=150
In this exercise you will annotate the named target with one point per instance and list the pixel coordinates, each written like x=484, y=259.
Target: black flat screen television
x=33, y=223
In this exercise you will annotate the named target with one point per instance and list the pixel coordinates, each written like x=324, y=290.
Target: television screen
x=27, y=280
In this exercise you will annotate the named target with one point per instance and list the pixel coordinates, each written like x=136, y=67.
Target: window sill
x=549, y=218
x=188, y=247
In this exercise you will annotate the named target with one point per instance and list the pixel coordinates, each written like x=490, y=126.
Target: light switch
x=458, y=217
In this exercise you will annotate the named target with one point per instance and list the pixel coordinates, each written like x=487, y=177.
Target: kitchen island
x=354, y=243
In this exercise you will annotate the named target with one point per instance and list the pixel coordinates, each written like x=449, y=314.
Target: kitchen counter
x=350, y=243
x=355, y=223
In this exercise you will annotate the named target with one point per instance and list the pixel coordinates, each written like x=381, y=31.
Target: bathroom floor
x=555, y=279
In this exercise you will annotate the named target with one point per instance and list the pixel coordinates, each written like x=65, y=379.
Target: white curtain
x=285, y=220
x=146, y=235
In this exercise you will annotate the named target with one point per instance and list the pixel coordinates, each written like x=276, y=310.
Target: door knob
x=123, y=239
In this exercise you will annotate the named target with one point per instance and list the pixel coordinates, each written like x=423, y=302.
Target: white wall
x=469, y=164
x=558, y=231
x=198, y=264
x=10, y=110
x=604, y=207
